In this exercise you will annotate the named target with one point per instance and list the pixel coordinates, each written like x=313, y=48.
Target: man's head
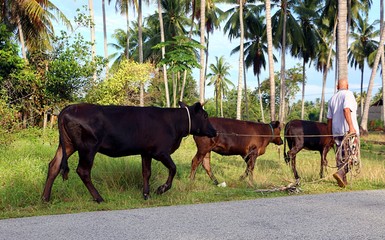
x=343, y=84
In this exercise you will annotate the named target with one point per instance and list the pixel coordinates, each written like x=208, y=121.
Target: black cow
x=309, y=135
x=121, y=131
x=235, y=137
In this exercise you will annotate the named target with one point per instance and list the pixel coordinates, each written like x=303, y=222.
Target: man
x=342, y=119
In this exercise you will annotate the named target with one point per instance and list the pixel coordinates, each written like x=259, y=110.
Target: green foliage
x=9, y=58
x=124, y=83
x=70, y=73
x=8, y=117
x=181, y=57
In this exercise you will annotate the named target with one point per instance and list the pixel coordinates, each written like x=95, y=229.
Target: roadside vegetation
x=26, y=153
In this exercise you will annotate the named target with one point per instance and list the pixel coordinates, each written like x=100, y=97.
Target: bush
x=8, y=120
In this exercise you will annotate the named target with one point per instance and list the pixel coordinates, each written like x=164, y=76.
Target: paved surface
x=353, y=215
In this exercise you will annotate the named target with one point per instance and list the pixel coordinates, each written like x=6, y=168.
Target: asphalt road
x=350, y=215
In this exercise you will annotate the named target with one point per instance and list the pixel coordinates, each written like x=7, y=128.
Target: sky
x=220, y=45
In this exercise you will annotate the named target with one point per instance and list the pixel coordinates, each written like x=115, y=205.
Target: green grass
x=24, y=163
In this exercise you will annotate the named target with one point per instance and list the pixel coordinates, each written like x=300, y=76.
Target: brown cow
x=118, y=131
x=235, y=137
x=309, y=135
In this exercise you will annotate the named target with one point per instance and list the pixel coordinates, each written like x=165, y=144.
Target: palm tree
x=287, y=31
x=342, y=56
x=162, y=39
x=218, y=78
x=105, y=34
x=362, y=46
x=255, y=47
x=383, y=60
x=237, y=18
x=122, y=6
x=271, y=61
x=323, y=60
x=380, y=52
x=202, y=51
x=92, y=28
x=174, y=21
x=306, y=11
x=32, y=20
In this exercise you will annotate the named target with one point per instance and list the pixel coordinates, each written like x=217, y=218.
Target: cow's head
x=199, y=120
x=276, y=132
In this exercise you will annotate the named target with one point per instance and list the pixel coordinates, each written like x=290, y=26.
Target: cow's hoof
x=146, y=196
x=99, y=200
x=162, y=189
x=297, y=182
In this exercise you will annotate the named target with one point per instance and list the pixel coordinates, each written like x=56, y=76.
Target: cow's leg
x=250, y=160
x=86, y=159
x=195, y=162
x=206, y=165
x=324, y=161
x=169, y=163
x=292, y=155
x=53, y=171
x=146, y=173
x=250, y=169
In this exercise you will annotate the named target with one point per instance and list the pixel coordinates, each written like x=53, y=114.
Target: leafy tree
x=123, y=86
x=218, y=78
x=71, y=69
x=19, y=85
x=9, y=58
x=181, y=57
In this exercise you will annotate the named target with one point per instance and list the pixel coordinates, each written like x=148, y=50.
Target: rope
x=261, y=135
x=350, y=145
x=189, y=120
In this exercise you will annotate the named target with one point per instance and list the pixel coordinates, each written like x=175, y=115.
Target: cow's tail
x=64, y=169
x=285, y=156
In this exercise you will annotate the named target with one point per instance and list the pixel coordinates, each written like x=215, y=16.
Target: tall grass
x=24, y=164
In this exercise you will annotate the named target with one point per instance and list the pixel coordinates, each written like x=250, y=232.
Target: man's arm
x=348, y=118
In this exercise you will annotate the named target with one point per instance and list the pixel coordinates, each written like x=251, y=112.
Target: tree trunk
x=283, y=58
x=128, y=32
x=163, y=53
x=105, y=34
x=260, y=99
x=21, y=38
x=342, y=45
x=92, y=27
x=241, y=60
x=326, y=72
x=361, y=93
x=382, y=62
x=246, y=100
x=271, y=60
x=202, y=77
x=303, y=89
x=183, y=85
x=364, y=122
x=140, y=43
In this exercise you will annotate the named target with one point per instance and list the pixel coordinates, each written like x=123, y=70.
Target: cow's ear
x=181, y=104
x=276, y=124
x=197, y=106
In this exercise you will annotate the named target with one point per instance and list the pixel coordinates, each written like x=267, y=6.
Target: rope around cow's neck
x=189, y=120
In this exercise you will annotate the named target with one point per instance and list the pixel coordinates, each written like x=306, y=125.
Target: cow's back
x=309, y=134
x=121, y=130
x=234, y=137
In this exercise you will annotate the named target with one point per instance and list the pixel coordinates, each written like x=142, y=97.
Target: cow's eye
x=205, y=115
